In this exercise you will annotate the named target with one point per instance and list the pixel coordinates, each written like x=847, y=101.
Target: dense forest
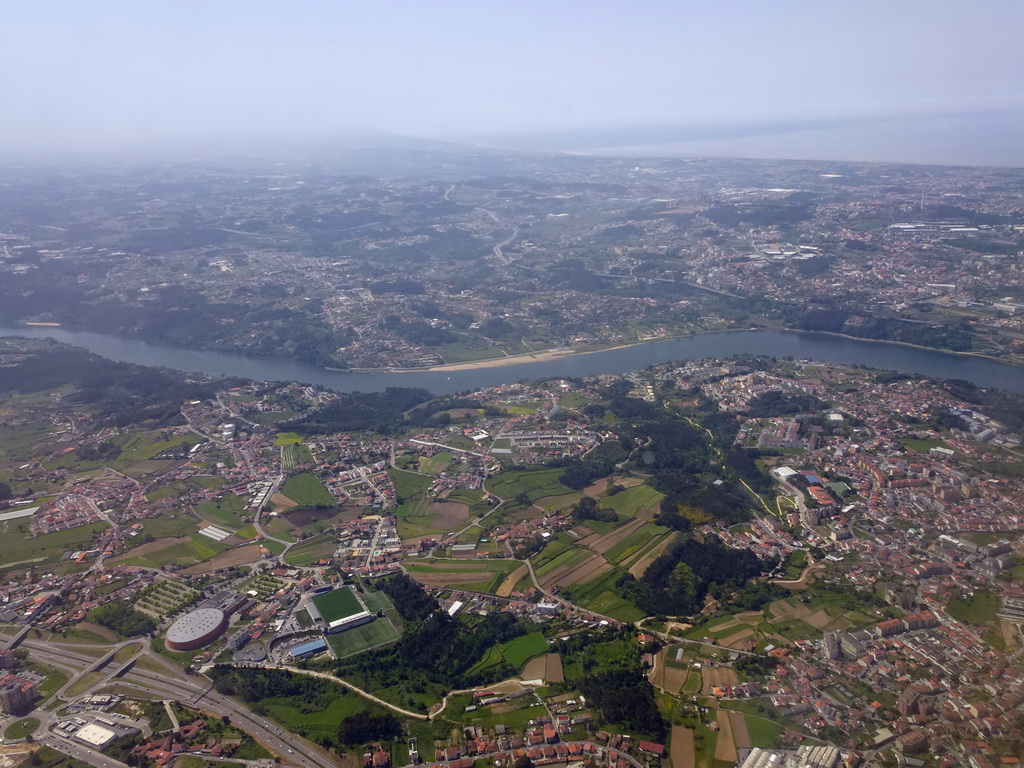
x=123, y=619
x=374, y=411
x=121, y=393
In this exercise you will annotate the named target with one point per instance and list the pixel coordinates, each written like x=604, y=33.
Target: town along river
x=802, y=346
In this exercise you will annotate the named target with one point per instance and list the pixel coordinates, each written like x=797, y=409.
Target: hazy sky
x=98, y=74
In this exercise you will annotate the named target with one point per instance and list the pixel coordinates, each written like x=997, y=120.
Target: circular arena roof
x=195, y=629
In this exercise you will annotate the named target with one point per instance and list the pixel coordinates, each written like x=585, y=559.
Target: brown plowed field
x=740, y=734
x=725, y=749
x=553, y=669
x=682, y=747
x=509, y=584
x=280, y=500
x=535, y=669
x=589, y=569
x=637, y=569
x=674, y=679
x=596, y=488
x=448, y=514
x=736, y=639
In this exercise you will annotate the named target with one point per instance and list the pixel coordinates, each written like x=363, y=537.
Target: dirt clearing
x=535, y=669
x=725, y=749
x=682, y=747
x=553, y=671
x=740, y=734
x=448, y=514
x=96, y=629
x=674, y=679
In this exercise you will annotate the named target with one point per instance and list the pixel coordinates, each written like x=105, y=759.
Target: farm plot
x=601, y=543
x=683, y=755
x=508, y=586
x=725, y=749
x=560, y=565
x=536, y=484
x=644, y=559
x=591, y=568
x=448, y=514
x=473, y=575
x=553, y=672
x=311, y=550
x=637, y=541
x=630, y=502
x=716, y=676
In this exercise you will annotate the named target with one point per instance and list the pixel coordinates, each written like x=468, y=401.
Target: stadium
x=196, y=629
x=338, y=610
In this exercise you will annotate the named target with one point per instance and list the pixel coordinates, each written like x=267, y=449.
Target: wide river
x=802, y=346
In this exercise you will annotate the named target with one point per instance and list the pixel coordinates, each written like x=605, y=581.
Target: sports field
x=337, y=604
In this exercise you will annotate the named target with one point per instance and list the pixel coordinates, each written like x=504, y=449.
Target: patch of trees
x=409, y=598
x=122, y=619
x=743, y=461
x=364, y=727
x=581, y=473
x=121, y=393
x=435, y=648
x=677, y=582
x=375, y=411
x=755, y=666
x=5, y=492
x=587, y=509
x=764, y=215
x=625, y=697
x=104, y=451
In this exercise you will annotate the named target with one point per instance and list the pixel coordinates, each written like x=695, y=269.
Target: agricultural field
x=295, y=455
x=472, y=575
x=181, y=550
x=515, y=653
x=311, y=550
x=598, y=594
x=637, y=541
x=536, y=484
x=306, y=490
x=436, y=463
x=627, y=503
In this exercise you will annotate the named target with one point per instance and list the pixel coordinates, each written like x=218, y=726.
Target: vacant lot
x=307, y=490
x=553, y=670
x=448, y=515
x=682, y=747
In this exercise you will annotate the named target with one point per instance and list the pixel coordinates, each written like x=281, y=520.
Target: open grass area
x=225, y=512
x=411, y=493
x=197, y=549
x=535, y=483
x=979, y=609
x=472, y=575
x=311, y=550
x=16, y=549
x=295, y=455
x=435, y=463
x=287, y=438
x=627, y=502
x=306, y=490
x=515, y=652
x=599, y=596
x=19, y=729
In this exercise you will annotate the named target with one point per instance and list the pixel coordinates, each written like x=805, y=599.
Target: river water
x=810, y=346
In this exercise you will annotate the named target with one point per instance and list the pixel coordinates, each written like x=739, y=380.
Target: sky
x=104, y=74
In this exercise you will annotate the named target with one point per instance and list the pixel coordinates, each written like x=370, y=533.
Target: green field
x=979, y=609
x=536, y=484
x=626, y=503
x=599, y=595
x=16, y=549
x=197, y=549
x=337, y=604
x=491, y=575
x=225, y=512
x=359, y=639
x=294, y=455
x=640, y=539
x=435, y=463
x=287, y=438
x=411, y=490
x=306, y=490
x=515, y=652
x=19, y=729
